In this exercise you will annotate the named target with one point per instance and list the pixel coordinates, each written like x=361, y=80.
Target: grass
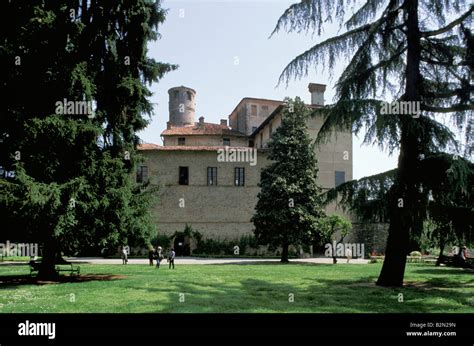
x=16, y=258
x=242, y=288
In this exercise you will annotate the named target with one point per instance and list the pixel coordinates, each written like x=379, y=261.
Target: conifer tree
x=415, y=51
x=289, y=203
x=72, y=164
x=447, y=184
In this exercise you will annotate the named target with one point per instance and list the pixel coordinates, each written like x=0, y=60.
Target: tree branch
x=444, y=94
x=454, y=108
x=449, y=26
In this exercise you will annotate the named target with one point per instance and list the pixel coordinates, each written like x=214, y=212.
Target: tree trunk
x=284, y=253
x=393, y=269
x=405, y=196
x=334, y=257
x=47, y=270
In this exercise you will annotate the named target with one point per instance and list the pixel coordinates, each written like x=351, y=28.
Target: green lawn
x=242, y=288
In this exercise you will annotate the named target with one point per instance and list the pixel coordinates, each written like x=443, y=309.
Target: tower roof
x=206, y=129
x=182, y=87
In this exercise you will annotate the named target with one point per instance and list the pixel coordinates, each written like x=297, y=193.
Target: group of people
x=153, y=255
x=157, y=255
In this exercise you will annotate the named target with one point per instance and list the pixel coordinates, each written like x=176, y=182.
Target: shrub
x=246, y=244
x=415, y=254
x=214, y=247
x=161, y=240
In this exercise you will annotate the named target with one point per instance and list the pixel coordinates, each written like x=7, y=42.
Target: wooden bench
x=410, y=259
x=415, y=259
x=70, y=268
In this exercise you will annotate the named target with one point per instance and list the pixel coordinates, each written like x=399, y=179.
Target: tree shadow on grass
x=416, y=296
x=18, y=280
x=324, y=296
x=442, y=271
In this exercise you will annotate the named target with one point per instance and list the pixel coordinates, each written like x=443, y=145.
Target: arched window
x=190, y=95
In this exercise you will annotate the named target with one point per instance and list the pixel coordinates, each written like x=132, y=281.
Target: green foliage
x=209, y=246
x=329, y=225
x=188, y=232
x=161, y=240
x=289, y=203
x=447, y=183
x=366, y=197
x=72, y=189
x=410, y=51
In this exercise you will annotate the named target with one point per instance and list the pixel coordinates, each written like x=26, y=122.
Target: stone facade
x=219, y=211
x=250, y=113
x=223, y=210
x=182, y=106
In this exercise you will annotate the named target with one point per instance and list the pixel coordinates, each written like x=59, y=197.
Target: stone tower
x=182, y=105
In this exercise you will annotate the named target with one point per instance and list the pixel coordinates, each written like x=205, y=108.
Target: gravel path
x=197, y=260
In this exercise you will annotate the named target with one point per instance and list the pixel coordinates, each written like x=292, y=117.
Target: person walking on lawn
x=151, y=255
x=124, y=255
x=171, y=257
x=159, y=256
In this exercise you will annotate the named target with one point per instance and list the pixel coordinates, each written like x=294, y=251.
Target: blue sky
x=224, y=53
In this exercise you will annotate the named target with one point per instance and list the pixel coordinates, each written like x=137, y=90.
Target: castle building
x=208, y=173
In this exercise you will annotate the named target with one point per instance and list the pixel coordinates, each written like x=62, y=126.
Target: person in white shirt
x=124, y=255
x=348, y=254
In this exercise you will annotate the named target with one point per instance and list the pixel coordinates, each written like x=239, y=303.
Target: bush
x=161, y=240
x=214, y=247
x=247, y=246
x=415, y=254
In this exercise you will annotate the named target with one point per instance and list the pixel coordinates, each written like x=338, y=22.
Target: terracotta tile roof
x=207, y=129
x=149, y=146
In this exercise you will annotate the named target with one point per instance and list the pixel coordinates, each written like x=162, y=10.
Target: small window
x=251, y=143
x=265, y=110
x=261, y=140
x=176, y=94
x=142, y=174
x=239, y=176
x=226, y=142
x=253, y=110
x=254, y=128
x=211, y=175
x=181, y=141
x=190, y=95
x=270, y=128
x=340, y=178
x=183, y=176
